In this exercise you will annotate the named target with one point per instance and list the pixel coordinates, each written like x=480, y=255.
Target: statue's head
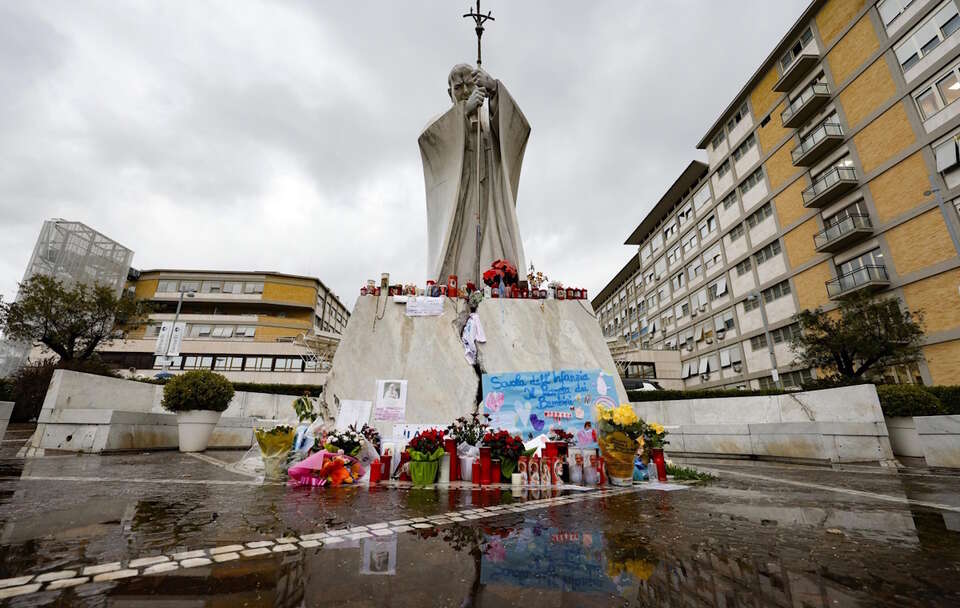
x=459, y=82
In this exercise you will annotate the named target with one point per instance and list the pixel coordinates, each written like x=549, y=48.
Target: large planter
x=424, y=472
x=904, y=439
x=618, y=451
x=195, y=428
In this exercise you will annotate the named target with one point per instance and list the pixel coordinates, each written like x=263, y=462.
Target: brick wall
x=852, y=50
x=789, y=203
x=799, y=242
x=938, y=298
x=883, y=138
x=865, y=94
x=810, y=286
x=943, y=361
x=920, y=242
x=834, y=16
x=900, y=188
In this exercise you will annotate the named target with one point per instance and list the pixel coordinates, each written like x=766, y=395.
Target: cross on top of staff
x=479, y=19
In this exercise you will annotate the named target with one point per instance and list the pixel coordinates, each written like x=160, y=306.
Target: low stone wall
x=6, y=409
x=940, y=438
x=833, y=425
x=89, y=413
x=903, y=436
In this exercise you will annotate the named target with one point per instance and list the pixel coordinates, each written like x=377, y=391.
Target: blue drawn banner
x=532, y=403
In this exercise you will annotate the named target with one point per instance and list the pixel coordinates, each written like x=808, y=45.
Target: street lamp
x=176, y=317
x=755, y=296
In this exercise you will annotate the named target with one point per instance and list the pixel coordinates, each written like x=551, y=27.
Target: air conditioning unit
x=737, y=367
x=704, y=377
x=720, y=334
x=709, y=340
x=693, y=313
x=703, y=307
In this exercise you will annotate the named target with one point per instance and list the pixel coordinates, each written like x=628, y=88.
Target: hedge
x=253, y=387
x=638, y=396
x=949, y=397
x=908, y=400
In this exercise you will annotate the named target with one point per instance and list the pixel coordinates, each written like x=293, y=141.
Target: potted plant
x=467, y=433
x=198, y=398
x=426, y=450
x=620, y=432
x=654, y=438
x=506, y=448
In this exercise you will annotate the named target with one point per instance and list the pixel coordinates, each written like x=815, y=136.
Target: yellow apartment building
x=835, y=169
x=250, y=326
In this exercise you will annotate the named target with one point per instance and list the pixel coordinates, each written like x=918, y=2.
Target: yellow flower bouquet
x=621, y=432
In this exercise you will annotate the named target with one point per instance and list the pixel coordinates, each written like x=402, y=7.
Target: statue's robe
x=448, y=150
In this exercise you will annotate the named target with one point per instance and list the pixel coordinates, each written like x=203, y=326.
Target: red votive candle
x=495, y=470
x=475, y=471
x=485, y=455
x=450, y=447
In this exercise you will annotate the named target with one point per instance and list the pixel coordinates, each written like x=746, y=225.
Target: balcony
x=830, y=186
x=846, y=232
x=866, y=277
x=800, y=67
x=806, y=105
x=816, y=144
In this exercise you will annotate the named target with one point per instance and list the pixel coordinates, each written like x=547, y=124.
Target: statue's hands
x=482, y=79
x=475, y=100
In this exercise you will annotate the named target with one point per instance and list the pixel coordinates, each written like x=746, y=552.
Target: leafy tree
x=70, y=321
x=863, y=334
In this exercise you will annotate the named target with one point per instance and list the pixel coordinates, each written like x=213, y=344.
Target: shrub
x=197, y=390
x=908, y=400
x=6, y=389
x=949, y=397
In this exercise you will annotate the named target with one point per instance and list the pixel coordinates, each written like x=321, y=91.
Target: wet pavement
x=760, y=535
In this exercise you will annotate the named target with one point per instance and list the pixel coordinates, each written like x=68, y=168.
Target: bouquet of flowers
x=425, y=449
x=622, y=419
x=350, y=441
x=536, y=278
x=559, y=434
x=654, y=436
x=621, y=431
x=505, y=447
x=469, y=429
x=326, y=469
x=275, y=445
x=371, y=434
x=500, y=269
x=426, y=445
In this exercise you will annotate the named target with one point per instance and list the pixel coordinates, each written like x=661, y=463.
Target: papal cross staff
x=479, y=20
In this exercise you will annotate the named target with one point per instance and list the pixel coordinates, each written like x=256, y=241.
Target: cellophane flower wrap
x=275, y=445
x=621, y=431
x=426, y=445
x=326, y=469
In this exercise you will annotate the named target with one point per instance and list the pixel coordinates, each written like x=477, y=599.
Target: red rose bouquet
x=508, y=448
x=425, y=449
x=500, y=269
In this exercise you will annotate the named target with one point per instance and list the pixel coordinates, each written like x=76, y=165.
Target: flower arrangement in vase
x=654, y=438
x=620, y=433
x=505, y=447
x=426, y=450
x=349, y=441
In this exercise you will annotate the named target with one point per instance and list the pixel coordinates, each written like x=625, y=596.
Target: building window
x=928, y=35
x=695, y=269
x=744, y=267
x=682, y=310
x=891, y=9
x=222, y=331
x=660, y=267
x=871, y=259
x=729, y=200
x=776, y=291
x=743, y=148
x=689, y=242
x=758, y=342
x=712, y=257
x=752, y=180
x=673, y=256
x=946, y=153
x=736, y=232
x=685, y=214
x=678, y=281
x=167, y=286
x=795, y=49
x=767, y=252
x=718, y=289
x=724, y=321
x=717, y=140
x=751, y=304
x=795, y=379
x=707, y=226
x=249, y=288
x=723, y=169
x=739, y=115
x=200, y=331
x=702, y=197
x=759, y=215
x=188, y=286
x=670, y=230
x=939, y=94
x=211, y=286
x=785, y=333
x=767, y=383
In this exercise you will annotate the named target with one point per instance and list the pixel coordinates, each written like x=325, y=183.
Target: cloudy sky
x=249, y=135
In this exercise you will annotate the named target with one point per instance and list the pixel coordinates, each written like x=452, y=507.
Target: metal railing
x=806, y=95
x=824, y=130
x=828, y=179
x=856, y=278
x=838, y=229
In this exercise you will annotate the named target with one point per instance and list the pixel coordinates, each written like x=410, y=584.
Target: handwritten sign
x=533, y=403
x=422, y=306
x=391, y=401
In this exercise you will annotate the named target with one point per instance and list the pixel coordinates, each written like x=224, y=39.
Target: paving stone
x=115, y=575
x=333, y=540
x=400, y=522
x=195, y=562
x=284, y=547
x=379, y=532
x=359, y=535
x=226, y=549
x=309, y=544
x=147, y=561
x=259, y=544
x=164, y=567
x=254, y=552
x=16, y=581
x=422, y=525
x=225, y=557
x=67, y=582
x=286, y=540
x=418, y=519
x=356, y=529
x=340, y=532
x=55, y=576
x=379, y=526
x=100, y=569
x=316, y=536
x=189, y=555
x=399, y=529
x=19, y=590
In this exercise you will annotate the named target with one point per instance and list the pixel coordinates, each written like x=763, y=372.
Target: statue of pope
x=448, y=148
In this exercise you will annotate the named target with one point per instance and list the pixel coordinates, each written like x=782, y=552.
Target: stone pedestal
x=381, y=342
